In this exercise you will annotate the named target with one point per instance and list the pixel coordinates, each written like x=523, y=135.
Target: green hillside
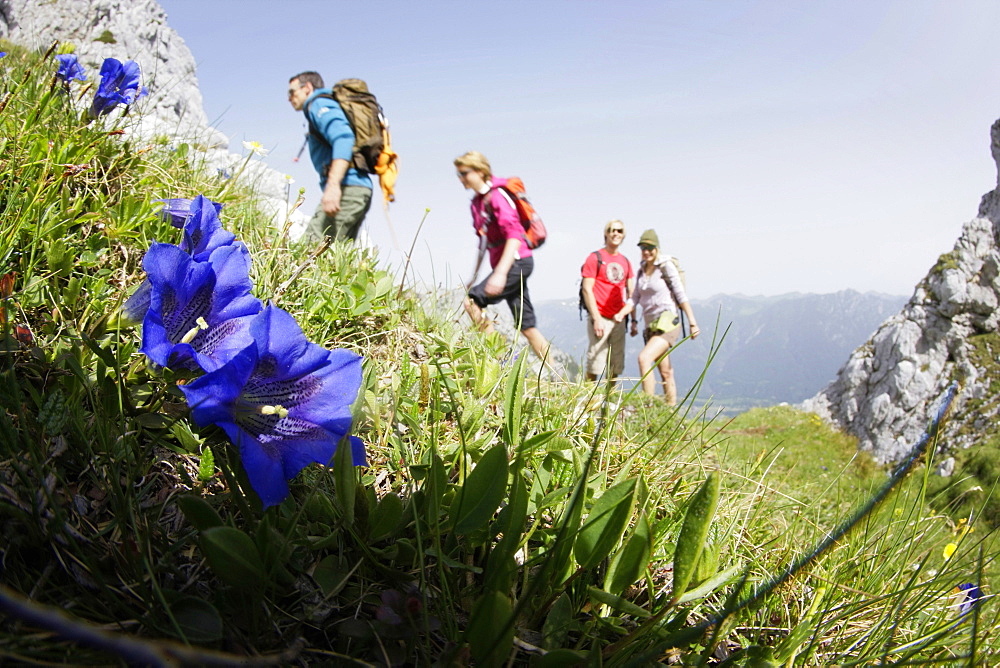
x=501, y=519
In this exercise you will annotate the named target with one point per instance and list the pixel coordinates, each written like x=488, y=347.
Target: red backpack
x=534, y=228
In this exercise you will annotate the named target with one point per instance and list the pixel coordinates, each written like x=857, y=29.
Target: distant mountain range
x=777, y=349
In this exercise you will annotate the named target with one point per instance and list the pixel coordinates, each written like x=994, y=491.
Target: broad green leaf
x=233, y=557
x=605, y=525
x=491, y=629
x=198, y=620
x=385, y=517
x=528, y=446
x=617, y=603
x=562, y=658
x=510, y=524
x=346, y=478
x=552, y=497
x=480, y=496
x=691, y=541
x=558, y=622
x=198, y=512
x=631, y=561
x=706, y=588
x=330, y=575
x=512, y=403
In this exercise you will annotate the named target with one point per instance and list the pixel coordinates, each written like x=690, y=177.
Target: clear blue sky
x=774, y=146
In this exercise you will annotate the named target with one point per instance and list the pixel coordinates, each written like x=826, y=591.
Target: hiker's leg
x=648, y=356
x=319, y=226
x=354, y=204
x=666, y=369
x=616, y=341
x=479, y=319
x=537, y=342
x=669, y=386
x=597, y=349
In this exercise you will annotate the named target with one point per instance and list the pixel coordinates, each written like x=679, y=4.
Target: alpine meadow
x=219, y=446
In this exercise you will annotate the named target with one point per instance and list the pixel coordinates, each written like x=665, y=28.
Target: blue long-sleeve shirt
x=329, y=120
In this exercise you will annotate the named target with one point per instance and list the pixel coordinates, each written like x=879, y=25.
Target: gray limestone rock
x=138, y=30
x=889, y=389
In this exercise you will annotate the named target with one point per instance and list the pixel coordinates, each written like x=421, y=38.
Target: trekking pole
x=302, y=150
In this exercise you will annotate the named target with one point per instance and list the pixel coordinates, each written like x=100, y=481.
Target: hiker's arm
x=695, y=329
x=629, y=306
x=587, y=286
x=479, y=263
x=498, y=279
x=331, y=193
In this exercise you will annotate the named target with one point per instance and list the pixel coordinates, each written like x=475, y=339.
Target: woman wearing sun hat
x=659, y=293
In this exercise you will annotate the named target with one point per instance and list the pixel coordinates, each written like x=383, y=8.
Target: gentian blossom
x=203, y=233
x=283, y=401
x=198, y=309
x=70, y=68
x=178, y=210
x=119, y=85
x=969, y=596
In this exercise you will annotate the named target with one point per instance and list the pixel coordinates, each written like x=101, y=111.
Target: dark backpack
x=583, y=303
x=367, y=121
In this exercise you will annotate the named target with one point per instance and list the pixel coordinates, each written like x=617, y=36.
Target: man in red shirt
x=608, y=282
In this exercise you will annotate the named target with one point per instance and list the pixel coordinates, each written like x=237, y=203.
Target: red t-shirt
x=610, y=282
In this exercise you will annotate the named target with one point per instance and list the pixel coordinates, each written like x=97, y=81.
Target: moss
x=945, y=262
x=107, y=37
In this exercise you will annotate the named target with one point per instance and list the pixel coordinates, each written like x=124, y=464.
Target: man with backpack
x=606, y=291
x=347, y=189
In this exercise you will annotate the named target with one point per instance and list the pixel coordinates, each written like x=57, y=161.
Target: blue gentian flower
x=283, y=401
x=969, y=596
x=70, y=68
x=177, y=210
x=119, y=85
x=203, y=233
x=3, y=54
x=135, y=307
x=198, y=310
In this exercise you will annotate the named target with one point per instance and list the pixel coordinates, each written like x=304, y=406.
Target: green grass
x=497, y=505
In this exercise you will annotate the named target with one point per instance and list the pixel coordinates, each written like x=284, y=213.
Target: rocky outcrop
x=891, y=386
x=138, y=30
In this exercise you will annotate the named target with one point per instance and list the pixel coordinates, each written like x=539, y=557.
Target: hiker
x=498, y=227
x=660, y=294
x=347, y=191
x=608, y=282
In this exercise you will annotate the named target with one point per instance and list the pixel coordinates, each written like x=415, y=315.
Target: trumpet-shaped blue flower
x=119, y=85
x=70, y=68
x=179, y=210
x=198, y=310
x=203, y=233
x=283, y=401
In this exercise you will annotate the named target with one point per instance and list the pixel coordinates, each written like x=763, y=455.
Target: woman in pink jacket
x=499, y=230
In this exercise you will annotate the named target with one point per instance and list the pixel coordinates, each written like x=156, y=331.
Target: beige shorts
x=597, y=350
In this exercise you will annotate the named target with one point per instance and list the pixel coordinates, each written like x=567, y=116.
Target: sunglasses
x=616, y=230
x=647, y=247
x=464, y=172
